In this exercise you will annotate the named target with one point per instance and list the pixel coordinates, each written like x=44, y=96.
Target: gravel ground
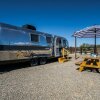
x=52, y=81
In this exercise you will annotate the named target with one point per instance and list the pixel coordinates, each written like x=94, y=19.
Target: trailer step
x=62, y=60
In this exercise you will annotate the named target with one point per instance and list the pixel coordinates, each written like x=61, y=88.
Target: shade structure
x=89, y=32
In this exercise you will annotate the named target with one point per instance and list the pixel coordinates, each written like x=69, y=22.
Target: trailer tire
x=42, y=60
x=34, y=62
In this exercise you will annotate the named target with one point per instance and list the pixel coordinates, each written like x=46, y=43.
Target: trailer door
x=57, y=46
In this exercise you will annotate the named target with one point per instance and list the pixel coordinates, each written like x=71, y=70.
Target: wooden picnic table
x=90, y=62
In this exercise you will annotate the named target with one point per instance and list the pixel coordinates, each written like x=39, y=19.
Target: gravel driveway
x=52, y=81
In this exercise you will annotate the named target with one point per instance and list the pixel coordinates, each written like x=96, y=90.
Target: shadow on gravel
x=11, y=67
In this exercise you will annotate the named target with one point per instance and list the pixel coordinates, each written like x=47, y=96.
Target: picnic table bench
x=90, y=62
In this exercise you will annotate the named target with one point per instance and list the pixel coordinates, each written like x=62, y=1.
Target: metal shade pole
x=95, y=41
x=95, y=48
x=75, y=46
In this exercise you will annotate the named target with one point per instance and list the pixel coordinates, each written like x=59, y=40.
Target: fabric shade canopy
x=89, y=32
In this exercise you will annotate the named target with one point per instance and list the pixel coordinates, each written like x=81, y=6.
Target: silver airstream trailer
x=23, y=44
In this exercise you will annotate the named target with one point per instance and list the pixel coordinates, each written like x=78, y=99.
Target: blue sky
x=59, y=17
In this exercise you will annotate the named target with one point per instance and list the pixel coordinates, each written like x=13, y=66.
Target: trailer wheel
x=34, y=62
x=42, y=60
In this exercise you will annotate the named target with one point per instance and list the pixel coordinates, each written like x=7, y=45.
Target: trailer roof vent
x=27, y=26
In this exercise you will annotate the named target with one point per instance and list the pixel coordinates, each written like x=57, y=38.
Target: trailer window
x=58, y=42
x=64, y=43
x=49, y=39
x=34, y=38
